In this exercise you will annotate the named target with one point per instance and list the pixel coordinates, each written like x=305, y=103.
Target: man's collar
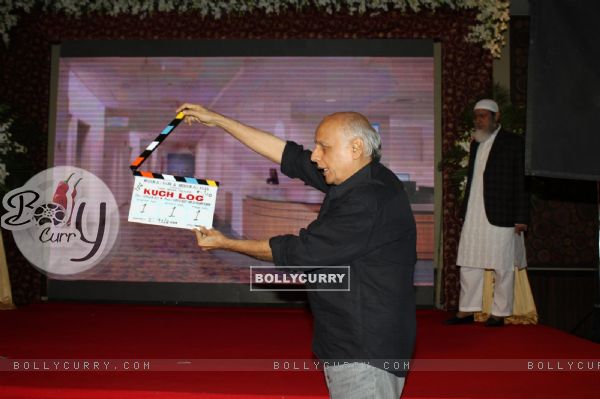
x=497, y=129
x=361, y=175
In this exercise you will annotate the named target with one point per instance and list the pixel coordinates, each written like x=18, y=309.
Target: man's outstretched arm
x=261, y=142
x=214, y=239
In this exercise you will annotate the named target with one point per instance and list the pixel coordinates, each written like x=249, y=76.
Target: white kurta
x=483, y=245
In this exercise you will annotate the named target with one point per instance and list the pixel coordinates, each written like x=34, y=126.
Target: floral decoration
x=492, y=15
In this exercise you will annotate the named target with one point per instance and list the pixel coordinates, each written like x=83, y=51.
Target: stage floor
x=192, y=352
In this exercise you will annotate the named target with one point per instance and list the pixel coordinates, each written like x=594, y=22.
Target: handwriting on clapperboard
x=172, y=212
x=197, y=213
x=143, y=208
x=139, y=187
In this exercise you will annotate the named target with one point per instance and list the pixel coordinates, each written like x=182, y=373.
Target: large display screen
x=111, y=105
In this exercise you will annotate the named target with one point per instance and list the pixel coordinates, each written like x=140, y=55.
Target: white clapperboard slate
x=172, y=201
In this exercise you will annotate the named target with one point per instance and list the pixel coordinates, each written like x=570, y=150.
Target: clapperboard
x=172, y=201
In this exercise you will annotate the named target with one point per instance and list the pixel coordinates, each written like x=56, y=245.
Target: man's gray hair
x=357, y=126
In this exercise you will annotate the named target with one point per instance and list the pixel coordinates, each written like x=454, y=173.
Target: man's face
x=333, y=152
x=484, y=121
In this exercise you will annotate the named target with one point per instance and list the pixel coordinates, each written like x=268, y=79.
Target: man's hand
x=214, y=239
x=197, y=113
x=210, y=239
x=519, y=228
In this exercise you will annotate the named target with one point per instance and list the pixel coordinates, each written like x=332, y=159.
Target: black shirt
x=367, y=223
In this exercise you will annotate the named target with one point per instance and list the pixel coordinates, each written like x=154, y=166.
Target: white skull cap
x=488, y=104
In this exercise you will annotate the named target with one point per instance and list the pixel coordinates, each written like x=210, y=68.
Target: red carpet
x=97, y=332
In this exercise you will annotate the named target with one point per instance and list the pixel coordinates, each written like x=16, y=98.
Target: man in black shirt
x=365, y=222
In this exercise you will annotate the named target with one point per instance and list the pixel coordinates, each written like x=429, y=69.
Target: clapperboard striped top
x=192, y=180
x=150, y=149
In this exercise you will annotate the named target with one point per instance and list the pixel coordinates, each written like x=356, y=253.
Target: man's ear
x=497, y=117
x=357, y=148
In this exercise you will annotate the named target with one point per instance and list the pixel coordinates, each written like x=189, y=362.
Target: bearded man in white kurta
x=497, y=213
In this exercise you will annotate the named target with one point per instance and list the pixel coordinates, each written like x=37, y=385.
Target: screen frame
x=218, y=294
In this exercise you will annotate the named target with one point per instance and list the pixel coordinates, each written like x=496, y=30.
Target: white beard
x=481, y=135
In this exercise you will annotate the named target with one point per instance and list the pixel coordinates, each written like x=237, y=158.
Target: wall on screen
x=82, y=108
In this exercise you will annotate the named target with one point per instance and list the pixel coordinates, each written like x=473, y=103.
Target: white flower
x=3, y=173
x=465, y=145
x=462, y=186
x=5, y=126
